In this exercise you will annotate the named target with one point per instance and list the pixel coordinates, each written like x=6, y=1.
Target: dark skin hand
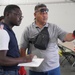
x=9, y=61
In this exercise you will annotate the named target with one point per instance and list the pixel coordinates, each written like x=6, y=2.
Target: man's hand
x=28, y=58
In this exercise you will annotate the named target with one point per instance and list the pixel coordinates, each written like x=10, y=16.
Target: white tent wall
x=5, y=2
x=61, y=14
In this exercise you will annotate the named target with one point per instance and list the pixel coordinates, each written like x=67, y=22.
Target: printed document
x=35, y=63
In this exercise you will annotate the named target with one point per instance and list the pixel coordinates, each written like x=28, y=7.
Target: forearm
x=69, y=37
x=8, y=61
x=22, y=52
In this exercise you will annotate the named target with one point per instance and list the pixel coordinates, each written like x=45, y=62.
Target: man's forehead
x=17, y=10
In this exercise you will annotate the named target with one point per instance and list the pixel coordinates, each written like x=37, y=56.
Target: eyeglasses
x=19, y=15
x=43, y=10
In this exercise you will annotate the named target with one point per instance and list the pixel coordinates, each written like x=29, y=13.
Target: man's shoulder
x=51, y=25
x=31, y=26
x=3, y=33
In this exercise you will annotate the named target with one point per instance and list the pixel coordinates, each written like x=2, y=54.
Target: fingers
x=29, y=58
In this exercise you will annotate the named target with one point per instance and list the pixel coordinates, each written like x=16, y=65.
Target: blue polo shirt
x=13, y=48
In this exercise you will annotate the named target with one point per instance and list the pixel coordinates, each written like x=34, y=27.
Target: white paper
x=35, y=63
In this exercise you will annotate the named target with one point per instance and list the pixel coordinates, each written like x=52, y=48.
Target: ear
x=34, y=14
x=7, y=14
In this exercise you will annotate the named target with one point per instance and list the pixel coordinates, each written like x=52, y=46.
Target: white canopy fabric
x=20, y=2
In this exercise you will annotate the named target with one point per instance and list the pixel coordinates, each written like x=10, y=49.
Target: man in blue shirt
x=9, y=51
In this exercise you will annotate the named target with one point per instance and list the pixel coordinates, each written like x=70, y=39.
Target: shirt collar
x=46, y=25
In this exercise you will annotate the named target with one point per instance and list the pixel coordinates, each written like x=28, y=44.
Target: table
x=70, y=46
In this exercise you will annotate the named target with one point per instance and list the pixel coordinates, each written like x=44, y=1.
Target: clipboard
x=35, y=63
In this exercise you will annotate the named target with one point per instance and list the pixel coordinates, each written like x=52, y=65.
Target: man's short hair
x=1, y=18
x=39, y=6
x=9, y=8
